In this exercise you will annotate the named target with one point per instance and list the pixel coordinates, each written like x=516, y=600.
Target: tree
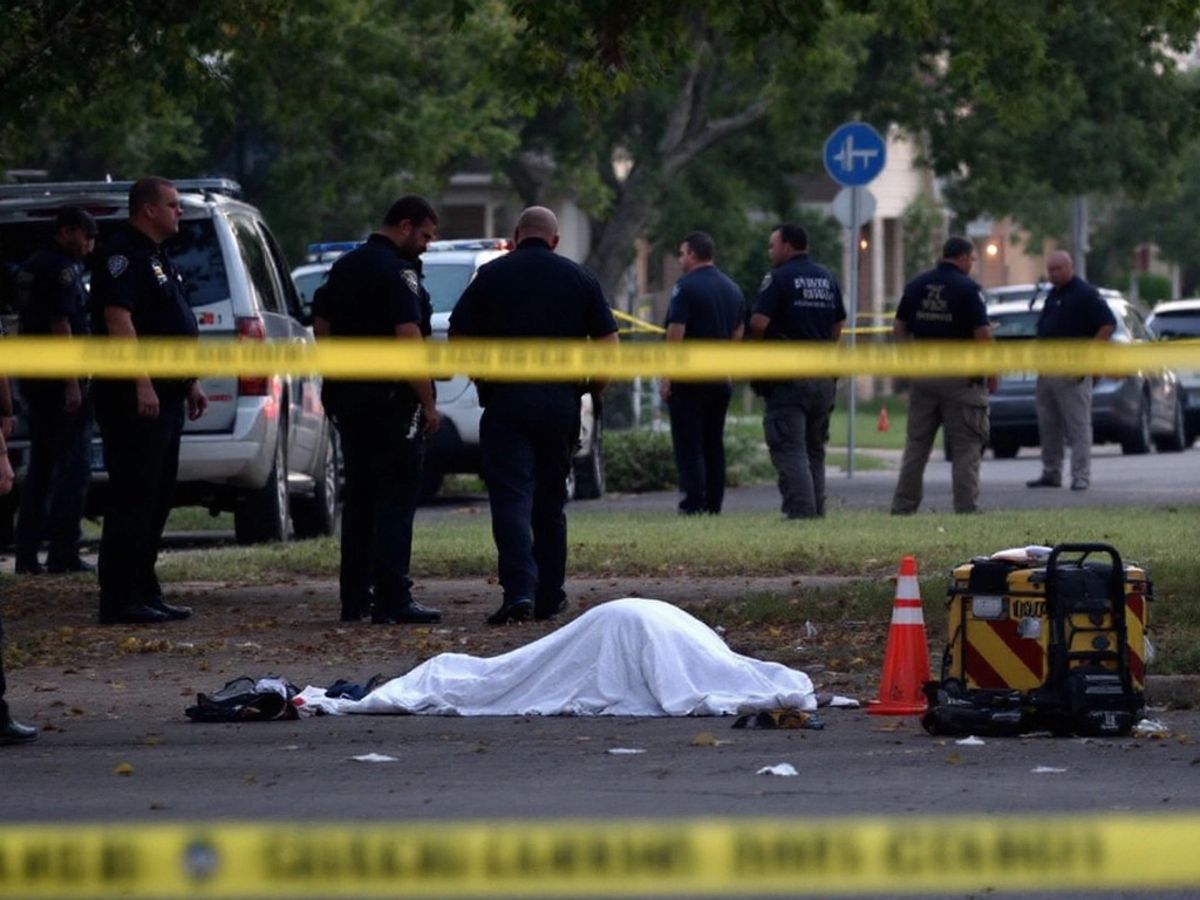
x=1007, y=93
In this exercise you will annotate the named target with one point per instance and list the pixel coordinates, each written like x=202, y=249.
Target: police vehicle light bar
x=471, y=244
x=226, y=186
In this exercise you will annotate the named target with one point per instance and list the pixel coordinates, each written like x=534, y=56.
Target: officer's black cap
x=74, y=217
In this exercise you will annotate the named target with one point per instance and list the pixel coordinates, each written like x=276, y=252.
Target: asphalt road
x=1154, y=479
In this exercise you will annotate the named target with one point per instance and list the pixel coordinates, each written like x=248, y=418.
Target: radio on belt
x=1043, y=639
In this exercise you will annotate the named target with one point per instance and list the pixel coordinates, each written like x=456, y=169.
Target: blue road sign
x=854, y=154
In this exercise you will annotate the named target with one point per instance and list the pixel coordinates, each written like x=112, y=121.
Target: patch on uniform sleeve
x=675, y=292
x=766, y=282
x=67, y=276
x=410, y=278
x=117, y=264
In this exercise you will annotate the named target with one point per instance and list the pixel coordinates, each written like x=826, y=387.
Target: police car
x=1137, y=411
x=264, y=449
x=448, y=268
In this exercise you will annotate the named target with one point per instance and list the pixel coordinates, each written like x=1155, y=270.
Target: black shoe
x=512, y=611
x=173, y=612
x=69, y=567
x=543, y=611
x=352, y=614
x=410, y=613
x=16, y=733
x=131, y=614
x=1079, y=484
x=1044, y=480
x=28, y=567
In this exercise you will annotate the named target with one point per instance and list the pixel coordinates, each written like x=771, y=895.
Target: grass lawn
x=864, y=545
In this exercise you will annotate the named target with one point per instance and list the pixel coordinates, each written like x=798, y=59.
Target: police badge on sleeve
x=410, y=278
x=117, y=264
x=67, y=276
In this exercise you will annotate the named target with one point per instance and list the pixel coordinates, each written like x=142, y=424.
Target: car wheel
x=319, y=515
x=262, y=515
x=1137, y=440
x=589, y=470
x=1177, y=440
x=1005, y=448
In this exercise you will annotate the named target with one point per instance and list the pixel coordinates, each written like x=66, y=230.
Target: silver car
x=1138, y=411
x=264, y=450
x=1180, y=320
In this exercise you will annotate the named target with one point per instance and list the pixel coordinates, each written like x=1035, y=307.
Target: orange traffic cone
x=883, y=424
x=906, y=662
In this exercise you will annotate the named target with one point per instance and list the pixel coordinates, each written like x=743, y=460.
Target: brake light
x=251, y=328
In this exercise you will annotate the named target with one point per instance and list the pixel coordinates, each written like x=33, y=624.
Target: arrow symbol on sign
x=847, y=155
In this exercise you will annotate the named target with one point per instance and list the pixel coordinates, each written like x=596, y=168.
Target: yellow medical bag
x=1043, y=638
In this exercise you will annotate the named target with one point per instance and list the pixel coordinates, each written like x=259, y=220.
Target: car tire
x=589, y=470
x=1005, y=448
x=262, y=515
x=1137, y=441
x=1176, y=441
x=320, y=514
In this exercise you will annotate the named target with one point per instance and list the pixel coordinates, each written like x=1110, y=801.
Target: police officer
x=376, y=291
x=137, y=292
x=529, y=430
x=53, y=301
x=797, y=301
x=944, y=304
x=1073, y=309
x=705, y=305
x=11, y=731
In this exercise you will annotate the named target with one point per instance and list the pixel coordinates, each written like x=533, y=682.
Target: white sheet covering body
x=630, y=657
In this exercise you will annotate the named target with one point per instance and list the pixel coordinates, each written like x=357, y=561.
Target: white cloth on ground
x=629, y=657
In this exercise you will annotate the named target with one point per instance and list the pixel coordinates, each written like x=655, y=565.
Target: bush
x=1153, y=288
x=642, y=460
x=639, y=460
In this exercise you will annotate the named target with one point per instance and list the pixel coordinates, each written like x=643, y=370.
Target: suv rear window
x=195, y=251
x=197, y=254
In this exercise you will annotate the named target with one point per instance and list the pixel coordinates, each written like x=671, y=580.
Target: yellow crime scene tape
x=750, y=857
x=559, y=360
x=639, y=325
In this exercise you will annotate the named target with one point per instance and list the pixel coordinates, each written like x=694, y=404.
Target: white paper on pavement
x=630, y=657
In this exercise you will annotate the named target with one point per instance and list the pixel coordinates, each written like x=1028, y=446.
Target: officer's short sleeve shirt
x=707, y=303
x=51, y=286
x=943, y=304
x=134, y=273
x=802, y=299
x=1075, y=310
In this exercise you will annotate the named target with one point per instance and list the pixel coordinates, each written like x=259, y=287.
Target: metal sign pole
x=852, y=315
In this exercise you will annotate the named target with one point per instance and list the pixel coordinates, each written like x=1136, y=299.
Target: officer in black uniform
x=11, y=732
x=798, y=301
x=376, y=291
x=530, y=429
x=705, y=305
x=53, y=301
x=944, y=304
x=137, y=292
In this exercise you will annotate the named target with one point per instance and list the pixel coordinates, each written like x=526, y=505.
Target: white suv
x=449, y=267
x=264, y=450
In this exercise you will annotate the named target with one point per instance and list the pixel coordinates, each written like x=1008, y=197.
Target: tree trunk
x=688, y=135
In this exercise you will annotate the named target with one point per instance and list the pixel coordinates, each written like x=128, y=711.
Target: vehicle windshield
x=1183, y=324
x=1014, y=325
x=308, y=283
x=446, y=282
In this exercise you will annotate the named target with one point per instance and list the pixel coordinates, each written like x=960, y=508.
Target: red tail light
x=251, y=328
